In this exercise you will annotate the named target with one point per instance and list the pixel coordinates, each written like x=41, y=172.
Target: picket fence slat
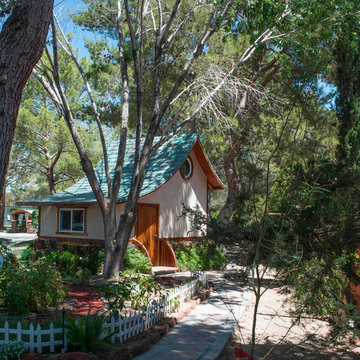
x=122, y=329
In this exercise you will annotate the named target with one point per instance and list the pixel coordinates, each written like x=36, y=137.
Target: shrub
x=84, y=334
x=199, y=255
x=136, y=288
x=34, y=289
x=135, y=260
x=12, y=351
x=95, y=260
x=82, y=276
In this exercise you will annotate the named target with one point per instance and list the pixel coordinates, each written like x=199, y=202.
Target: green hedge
x=199, y=255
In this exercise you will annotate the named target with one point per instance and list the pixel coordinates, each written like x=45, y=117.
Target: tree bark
x=2, y=209
x=232, y=181
x=22, y=40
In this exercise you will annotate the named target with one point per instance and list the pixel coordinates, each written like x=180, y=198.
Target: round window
x=186, y=168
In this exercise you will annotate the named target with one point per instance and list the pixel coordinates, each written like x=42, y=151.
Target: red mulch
x=85, y=297
x=168, y=282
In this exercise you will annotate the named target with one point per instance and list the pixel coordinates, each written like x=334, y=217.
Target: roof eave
x=213, y=180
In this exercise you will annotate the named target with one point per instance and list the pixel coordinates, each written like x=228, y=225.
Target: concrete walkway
x=204, y=333
x=17, y=238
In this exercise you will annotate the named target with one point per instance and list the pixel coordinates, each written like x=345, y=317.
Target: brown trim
x=72, y=233
x=39, y=221
x=62, y=239
x=207, y=206
x=192, y=168
x=84, y=233
x=77, y=205
x=206, y=167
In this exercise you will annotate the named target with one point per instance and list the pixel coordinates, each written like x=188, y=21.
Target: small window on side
x=186, y=169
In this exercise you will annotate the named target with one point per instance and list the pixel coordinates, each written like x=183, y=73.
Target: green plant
x=95, y=260
x=82, y=276
x=34, y=288
x=135, y=260
x=84, y=334
x=200, y=256
x=136, y=288
x=12, y=351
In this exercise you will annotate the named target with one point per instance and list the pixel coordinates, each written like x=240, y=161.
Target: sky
x=61, y=9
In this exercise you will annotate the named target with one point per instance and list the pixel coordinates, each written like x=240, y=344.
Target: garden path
x=85, y=298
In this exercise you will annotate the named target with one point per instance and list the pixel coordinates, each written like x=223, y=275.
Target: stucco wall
x=173, y=195
x=170, y=197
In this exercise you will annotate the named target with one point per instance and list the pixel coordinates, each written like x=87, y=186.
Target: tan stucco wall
x=173, y=194
x=94, y=224
x=170, y=198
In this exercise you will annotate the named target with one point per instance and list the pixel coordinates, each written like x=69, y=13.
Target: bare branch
x=92, y=101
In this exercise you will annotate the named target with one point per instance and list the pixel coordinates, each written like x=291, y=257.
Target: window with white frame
x=72, y=220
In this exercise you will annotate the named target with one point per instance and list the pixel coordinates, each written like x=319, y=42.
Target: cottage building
x=179, y=174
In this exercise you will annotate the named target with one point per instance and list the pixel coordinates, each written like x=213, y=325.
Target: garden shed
x=179, y=174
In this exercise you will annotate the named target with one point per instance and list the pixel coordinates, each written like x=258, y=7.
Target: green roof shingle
x=164, y=163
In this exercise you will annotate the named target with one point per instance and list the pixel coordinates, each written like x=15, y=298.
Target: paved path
x=17, y=237
x=204, y=333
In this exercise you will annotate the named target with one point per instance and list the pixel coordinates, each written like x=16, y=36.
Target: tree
x=43, y=150
x=146, y=34
x=270, y=83
x=22, y=40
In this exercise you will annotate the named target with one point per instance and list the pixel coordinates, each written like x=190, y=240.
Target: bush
x=84, y=334
x=82, y=276
x=136, y=288
x=34, y=289
x=95, y=261
x=135, y=260
x=199, y=256
x=12, y=351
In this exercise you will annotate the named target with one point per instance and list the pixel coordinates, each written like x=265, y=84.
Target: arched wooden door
x=147, y=229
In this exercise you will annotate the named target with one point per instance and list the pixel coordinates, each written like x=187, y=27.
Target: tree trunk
x=116, y=241
x=232, y=180
x=22, y=40
x=2, y=208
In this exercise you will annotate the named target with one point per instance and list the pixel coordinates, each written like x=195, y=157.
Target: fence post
x=19, y=332
x=63, y=329
x=6, y=334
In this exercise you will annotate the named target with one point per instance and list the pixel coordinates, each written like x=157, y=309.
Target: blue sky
x=61, y=9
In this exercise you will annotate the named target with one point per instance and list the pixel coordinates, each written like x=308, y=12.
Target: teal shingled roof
x=165, y=162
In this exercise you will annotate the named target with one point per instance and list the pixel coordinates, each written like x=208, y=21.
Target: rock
x=75, y=356
x=155, y=337
x=186, y=309
x=193, y=305
x=172, y=322
x=31, y=356
x=198, y=301
x=122, y=354
x=165, y=329
x=144, y=345
x=180, y=316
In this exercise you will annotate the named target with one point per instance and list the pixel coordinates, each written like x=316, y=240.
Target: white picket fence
x=37, y=339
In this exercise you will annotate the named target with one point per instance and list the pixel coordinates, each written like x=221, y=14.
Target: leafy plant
x=200, y=256
x=135, y=260
x=12, y=351
x=136, y=288
x=84, y=334
x=34, y=288
x=82, y=276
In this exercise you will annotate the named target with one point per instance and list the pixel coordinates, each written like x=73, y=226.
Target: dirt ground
x=277, y=339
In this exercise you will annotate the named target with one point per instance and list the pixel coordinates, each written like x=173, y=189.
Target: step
x=163, y=270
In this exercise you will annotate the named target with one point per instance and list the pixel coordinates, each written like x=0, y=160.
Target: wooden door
x=147, y=229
